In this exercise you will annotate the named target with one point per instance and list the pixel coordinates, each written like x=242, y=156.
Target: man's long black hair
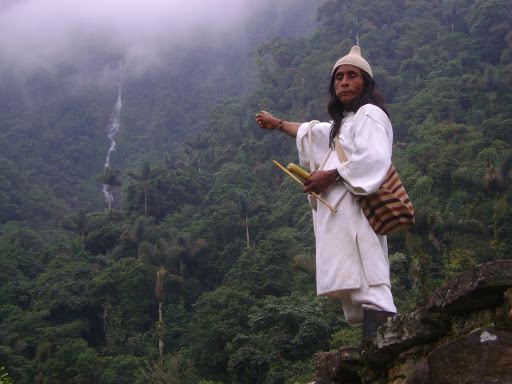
x=336, y=108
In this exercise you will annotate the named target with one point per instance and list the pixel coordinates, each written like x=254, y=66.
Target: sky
x=44, y=35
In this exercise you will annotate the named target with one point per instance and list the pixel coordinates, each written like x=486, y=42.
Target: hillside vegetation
x=203, y=271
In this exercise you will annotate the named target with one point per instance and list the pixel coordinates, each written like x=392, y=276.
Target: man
x=351, y=259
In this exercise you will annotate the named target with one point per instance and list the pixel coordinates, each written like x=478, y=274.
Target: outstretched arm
x=319, y=181
x=267, y=121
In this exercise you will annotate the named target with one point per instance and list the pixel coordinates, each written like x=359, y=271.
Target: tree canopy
x=202, y=269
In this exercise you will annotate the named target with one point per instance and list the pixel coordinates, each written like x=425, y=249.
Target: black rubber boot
x=373, y=319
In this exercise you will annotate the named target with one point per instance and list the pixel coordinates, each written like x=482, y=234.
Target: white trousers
x=355, y=301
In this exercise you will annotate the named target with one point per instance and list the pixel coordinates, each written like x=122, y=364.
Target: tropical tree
x=198, y=144
x=171, y=259
x=305, y=262
x=219, y=317
x=109, y=178
x=489, y=21
x=159, y=288
x=144, y=177
x=247, y=208
x=78, y=224
x=454, y=12
x=180, y=255
x=137, y=234
x=172, y=369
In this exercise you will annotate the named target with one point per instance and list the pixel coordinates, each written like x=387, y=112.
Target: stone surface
x=479, y=287
x=412, y=360
x=338, y=366
x=462, y=335
x=402, y=332
x=480, y=356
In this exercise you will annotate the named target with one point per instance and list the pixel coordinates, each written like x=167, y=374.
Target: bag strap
x=341, y=154
x=311, y=154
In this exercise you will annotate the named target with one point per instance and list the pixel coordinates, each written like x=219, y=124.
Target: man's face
x=348, y=83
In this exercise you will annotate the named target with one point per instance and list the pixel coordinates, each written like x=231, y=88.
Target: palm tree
x=305, y=262
x=199, y=143
x=137, y=235
x=453, y=10
x=109, y=178
x=160, y=275
x=180, y=254
x=77, y=224
x=171, y=259
x=496, y=179
x=144, y=176
x=247, y=208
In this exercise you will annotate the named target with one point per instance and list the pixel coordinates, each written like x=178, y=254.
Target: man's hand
x=319, y=181
x=267, y=121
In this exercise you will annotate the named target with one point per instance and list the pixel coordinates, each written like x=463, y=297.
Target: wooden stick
x=301, y=183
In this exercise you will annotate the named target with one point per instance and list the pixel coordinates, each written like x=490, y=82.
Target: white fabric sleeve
x=366, y=169
x=319, y=140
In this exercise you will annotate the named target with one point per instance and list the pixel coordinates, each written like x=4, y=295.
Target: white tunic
x=345, y=242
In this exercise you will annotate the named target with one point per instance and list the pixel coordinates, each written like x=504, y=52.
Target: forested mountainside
x=54, y=120
x=203, y=270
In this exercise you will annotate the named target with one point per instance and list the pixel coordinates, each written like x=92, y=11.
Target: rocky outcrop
x=462, y=335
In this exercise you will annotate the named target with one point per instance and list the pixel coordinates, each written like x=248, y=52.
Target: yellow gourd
x=298, y=171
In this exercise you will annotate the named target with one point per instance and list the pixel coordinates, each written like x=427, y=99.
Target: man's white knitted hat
x=354, y=58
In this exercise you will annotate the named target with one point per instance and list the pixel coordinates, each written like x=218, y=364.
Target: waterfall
x=112, y=129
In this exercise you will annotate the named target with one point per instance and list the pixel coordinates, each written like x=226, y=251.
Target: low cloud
x=48, y=35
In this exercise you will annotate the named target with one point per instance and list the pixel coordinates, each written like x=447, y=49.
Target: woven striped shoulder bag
x=389, y=209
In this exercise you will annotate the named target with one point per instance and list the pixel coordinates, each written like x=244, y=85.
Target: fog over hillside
x=61, y=62
x=53, y=35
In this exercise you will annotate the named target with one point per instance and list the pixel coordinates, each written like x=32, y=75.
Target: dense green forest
x=203, y=270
